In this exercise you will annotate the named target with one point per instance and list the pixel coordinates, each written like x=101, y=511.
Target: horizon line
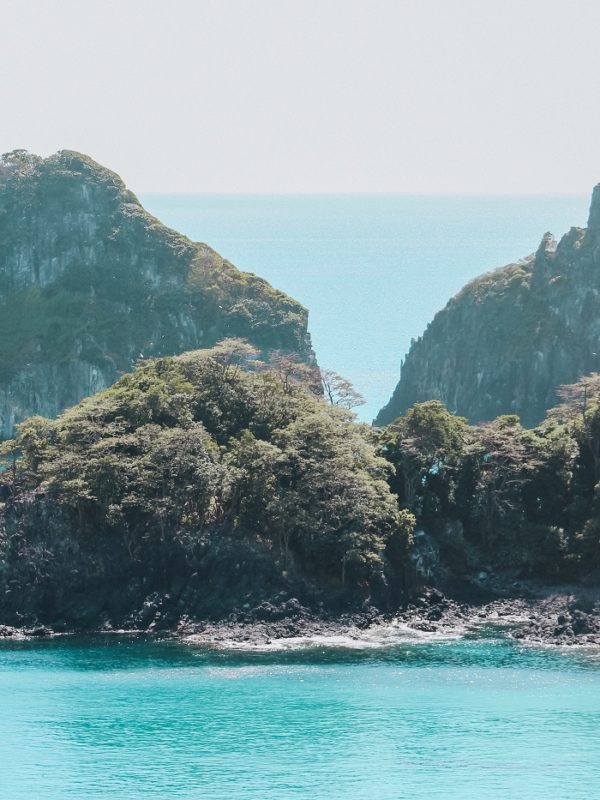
x=333, y=193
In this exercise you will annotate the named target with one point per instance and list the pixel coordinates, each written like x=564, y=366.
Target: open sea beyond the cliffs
x=117, y=717
x=372, y=269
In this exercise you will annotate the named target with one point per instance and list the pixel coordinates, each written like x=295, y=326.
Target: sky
x=416, y=96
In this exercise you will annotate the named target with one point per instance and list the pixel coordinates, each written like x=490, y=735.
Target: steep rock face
x=511, y=337
x=90, y=283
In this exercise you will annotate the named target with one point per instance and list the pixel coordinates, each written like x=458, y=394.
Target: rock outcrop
x=507, y=341
x=90, y=283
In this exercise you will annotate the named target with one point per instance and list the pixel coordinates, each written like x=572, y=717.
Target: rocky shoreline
x=565, y=615
x=559, y=617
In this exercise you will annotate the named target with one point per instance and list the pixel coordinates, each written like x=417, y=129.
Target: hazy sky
x=310, y=95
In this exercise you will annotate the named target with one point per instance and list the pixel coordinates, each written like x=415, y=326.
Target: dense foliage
x=213, y=481
x=195, y=464
x=498, y=494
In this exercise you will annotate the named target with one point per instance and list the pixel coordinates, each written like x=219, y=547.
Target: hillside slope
x=90, y=283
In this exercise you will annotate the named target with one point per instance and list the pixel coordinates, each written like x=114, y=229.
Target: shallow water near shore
x=123, y=717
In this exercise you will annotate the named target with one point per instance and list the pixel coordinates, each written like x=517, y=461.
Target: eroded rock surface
x=90, y=283
x=511, y=337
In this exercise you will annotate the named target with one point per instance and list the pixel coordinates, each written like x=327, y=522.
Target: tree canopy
x=527, y=500
x=213, y=445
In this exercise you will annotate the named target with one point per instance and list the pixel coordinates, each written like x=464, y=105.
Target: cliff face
x=90, y=283
x=511, y=337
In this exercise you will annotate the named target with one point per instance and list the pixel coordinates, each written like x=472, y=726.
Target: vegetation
x=498, y=494
x=194, y=464
x=216, y=481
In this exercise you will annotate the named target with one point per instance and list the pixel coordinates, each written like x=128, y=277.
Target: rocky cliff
x=511, y=337
x=90, y=283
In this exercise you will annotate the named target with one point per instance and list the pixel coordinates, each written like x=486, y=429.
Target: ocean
x=372, y=269
x=118, y=718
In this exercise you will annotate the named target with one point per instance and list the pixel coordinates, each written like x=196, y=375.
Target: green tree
x=425, y=446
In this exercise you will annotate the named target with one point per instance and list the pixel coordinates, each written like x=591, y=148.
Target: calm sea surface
x=371, y=269
x=128, y=719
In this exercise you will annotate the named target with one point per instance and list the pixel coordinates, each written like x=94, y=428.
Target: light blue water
x=126, y=720
x=371, y=269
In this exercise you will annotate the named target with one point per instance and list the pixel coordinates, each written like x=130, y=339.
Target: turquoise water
x=128, y=719
x=371, y=269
